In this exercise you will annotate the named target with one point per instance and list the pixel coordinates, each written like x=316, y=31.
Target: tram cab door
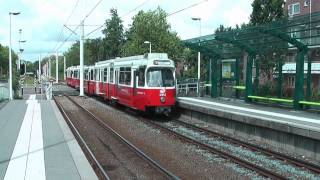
x=116, y=82
x=135, y=81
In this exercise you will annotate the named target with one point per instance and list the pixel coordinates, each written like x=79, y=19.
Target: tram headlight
x=162, y=99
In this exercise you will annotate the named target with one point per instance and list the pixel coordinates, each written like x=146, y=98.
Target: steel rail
x=94, y=160
x=125, y=141
x=310, y=166
x=246, y=164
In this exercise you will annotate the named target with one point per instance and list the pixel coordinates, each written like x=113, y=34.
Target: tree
x=265, y=11
x=152, y=26
x=114, y=36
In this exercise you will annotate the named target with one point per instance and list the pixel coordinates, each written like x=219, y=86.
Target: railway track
x=161, y=170
x=297, y=162
x=101, y=173
x=262, y=171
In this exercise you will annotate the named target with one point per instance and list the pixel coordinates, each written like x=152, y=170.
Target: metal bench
x=281, y=100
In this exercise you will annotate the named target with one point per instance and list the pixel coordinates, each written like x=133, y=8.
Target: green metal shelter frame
x=294, y=33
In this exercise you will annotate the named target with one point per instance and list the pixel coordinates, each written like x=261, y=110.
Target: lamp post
x=20, y=49
x=57, y=67
x=199, y=55
x=309, y=3
x=148, y=42
x=10, y=55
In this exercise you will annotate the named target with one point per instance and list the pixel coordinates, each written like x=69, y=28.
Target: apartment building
x=303, y=8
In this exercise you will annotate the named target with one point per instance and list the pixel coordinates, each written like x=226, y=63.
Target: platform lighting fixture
x=199, y=55
x=10, y=56
x=148, y=42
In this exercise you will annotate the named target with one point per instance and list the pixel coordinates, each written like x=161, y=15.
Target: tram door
x=97, y=81
x=116, y=78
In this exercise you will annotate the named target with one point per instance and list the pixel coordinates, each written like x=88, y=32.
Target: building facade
x=303, y=8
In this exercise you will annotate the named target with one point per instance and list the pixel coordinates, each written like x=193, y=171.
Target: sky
x=42, y=21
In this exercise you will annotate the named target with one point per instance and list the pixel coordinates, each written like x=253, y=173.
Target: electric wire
x=180, y=10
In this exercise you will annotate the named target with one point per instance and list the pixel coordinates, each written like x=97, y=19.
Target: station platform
x=296, y=131
x=36, y=143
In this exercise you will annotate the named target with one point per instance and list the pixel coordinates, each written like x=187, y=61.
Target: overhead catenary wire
x=127, y=13
x=188, y=7
x=76, y=28
x=170, y=14
x=67, y=20
x=134, y=9
x=92, y=10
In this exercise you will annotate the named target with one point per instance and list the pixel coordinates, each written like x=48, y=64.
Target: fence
x=191, y=89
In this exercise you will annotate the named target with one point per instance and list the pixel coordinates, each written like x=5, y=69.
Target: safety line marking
x=27, y=159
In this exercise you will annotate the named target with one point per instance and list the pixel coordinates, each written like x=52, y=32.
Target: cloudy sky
x=42, y=21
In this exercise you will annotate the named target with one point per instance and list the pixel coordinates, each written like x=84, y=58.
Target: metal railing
x=192, y=89
x=46, y=86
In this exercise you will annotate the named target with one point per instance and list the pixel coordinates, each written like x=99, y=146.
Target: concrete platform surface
x=36, y=143
x=296, y=122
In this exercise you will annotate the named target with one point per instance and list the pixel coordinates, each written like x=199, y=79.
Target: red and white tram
x=145, y=82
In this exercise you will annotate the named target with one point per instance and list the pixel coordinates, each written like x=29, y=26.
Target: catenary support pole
x=39, y=69
x=237, y=77
x=220, y=78
x=64, y=67
x=298, y=89
x=309, y=77
x=49, y=67
x=57, y=68
x=249, y=76
x=214, y=76
x=10, y=62
x=280, y=78
x=81, y=58
x=256, y=78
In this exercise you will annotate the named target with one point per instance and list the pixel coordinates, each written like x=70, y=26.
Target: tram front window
x=157, y=77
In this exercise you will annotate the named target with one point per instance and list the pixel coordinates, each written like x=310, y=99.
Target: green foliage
x=151, y=26
x=4, y=68
x=265, y=11
x=73, y=55
x=114, y=37
x=4, y=60
x=147, y=26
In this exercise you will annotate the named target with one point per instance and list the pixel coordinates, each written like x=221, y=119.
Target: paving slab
x=36, y=143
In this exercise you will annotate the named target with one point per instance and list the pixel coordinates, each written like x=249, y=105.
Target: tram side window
x=76, y=74
x=141, y=77
x=105, y=74
x=91, y=75
x=97, y=78
x=111, y=75
x=86, y=74
x=125, y=76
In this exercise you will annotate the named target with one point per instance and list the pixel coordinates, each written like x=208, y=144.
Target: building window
x=294, y=9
